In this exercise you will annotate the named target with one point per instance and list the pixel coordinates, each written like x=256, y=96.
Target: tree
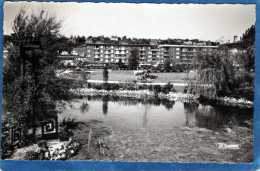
x=215, y=75
x=120, y=64
x=133, y=60
x=167, y=64
x=31, y=69
x=105, y=74
x=248, y=43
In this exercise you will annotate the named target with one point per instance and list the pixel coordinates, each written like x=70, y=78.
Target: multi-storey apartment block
x=113, y=53
x=148, y=54
x=182, y=54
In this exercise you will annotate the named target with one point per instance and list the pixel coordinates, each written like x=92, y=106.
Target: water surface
x=138, y=114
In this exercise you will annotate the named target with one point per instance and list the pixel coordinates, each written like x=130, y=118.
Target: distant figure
x=105, y=74
x=105, y=78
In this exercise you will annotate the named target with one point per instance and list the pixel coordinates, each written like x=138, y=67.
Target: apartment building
x=113, y=53
x=182, y=54
x=148, y=54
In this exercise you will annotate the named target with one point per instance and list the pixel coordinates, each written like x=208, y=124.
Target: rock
x=186, y=128
x=228, y=130
x=203, y=130
x=216, y=133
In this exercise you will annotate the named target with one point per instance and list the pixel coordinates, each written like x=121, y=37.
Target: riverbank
x=178, y=144
x=171, y=96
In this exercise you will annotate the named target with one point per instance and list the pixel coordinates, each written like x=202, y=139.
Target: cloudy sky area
x=205, y=22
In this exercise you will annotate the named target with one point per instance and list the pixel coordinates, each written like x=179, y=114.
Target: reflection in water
x=84, y=107
x=136, y=113
x=145, y=116
x=168, y=104
x=126, y=101
x=105, y=100
x=207, y=116
x=190, y=109
x=203, y=116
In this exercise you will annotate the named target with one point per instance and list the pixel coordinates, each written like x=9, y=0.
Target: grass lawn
x=116, y=75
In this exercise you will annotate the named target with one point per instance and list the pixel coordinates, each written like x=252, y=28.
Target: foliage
x=133, y=60
x=120, y=64
x=248, y=43
x=215, y=75
x=168, y=88
x=157, y=89
x=32, y=155
x=30, y=83
x=67, y=124
x=167, y=64
x=248, y=38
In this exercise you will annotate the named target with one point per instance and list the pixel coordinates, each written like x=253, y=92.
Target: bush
x=185, y=89
x=66, y=127
x=243, y=85
x=32, y=155
x=64, y=135
x=141, y=87
x=157, y=89
x=89, y=85
x=97, y=86
x=114, y=86
x=167, y=88
x=129, y=86
x=150, y=88
x=244, y=92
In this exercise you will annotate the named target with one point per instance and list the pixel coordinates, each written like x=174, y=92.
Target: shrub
x=185, y=89
x=32, y=155
x=64, y=134
x=66, y=126
x=114, y=86
x=173, y=89
x=150, y=87
x=157, y=89
x=129, y=86
x=89, y=85
x=167, y=88
x=98, y=86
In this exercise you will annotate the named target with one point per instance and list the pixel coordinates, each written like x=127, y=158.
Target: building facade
x=182, y=54
x=101, y=53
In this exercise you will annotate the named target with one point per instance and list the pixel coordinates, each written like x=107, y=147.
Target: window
x=184, y=50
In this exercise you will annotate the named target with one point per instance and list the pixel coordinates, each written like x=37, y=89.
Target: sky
x=159, y=21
